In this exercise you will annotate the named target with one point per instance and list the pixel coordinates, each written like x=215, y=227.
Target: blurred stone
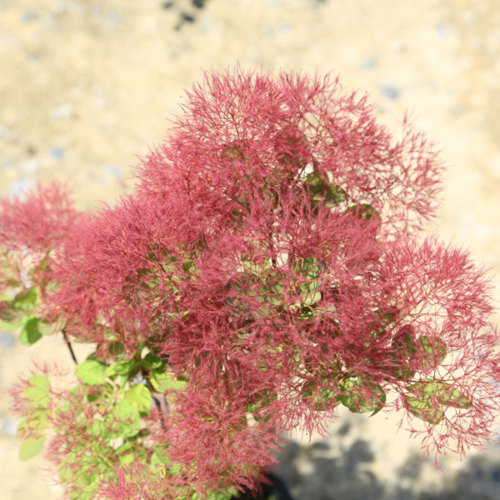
x=31, y=166
x=64, y=111
x=113, y=170
x=57, y=153
x=29, y=16
x=9, y=427
x=21, y=186
x=369, y=63
x=7, y=340
x=390, y=91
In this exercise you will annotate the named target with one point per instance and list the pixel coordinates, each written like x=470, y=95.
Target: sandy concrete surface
x=87, y=86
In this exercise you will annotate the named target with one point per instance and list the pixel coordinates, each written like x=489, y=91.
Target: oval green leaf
x=361, y=397
x=164, y=381
x=31, y=447
x=91, y=372
x=139, y=396
x=26, y=300
x=30, y=334
x=38, y=389
x=128, y=416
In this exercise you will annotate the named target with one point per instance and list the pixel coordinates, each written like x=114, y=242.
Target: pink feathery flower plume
x=32, y=227
x=271, y=259
x=39, y=221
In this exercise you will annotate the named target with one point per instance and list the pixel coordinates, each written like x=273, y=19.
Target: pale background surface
x=86, y=86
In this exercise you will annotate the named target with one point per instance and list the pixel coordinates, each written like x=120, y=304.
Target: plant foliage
x=267, y=268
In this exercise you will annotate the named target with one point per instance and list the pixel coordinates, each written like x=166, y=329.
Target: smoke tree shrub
x=268, y=267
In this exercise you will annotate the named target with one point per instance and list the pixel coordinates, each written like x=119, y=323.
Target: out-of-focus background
x=87, y=86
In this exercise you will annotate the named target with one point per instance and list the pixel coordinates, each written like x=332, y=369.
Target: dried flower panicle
x=267, y=269
x=39, y=221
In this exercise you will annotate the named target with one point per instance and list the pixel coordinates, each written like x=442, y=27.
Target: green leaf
x=403, y=372
x=325, y=401
x=97, y=428
x=10, y=315
x=31, y=447
x=425, y=409
x=223, y=495
x=310, y=268
x=9, y=326
x=430, y=398
x=126, y=459
x=432, y=351
x=361, y=397
x=115, y=348
x=440, y=392
x=160, y=455
x=306, y=312
x=387, y=316
x=364, y=211
x=151, y=361
x=126, y=446
x=128, y=415
x=30, y=334
x=97, y=392
x=324, y=191
x=234, y=152
x=91, y=372
x=48, y=328
x=404, y=343
x=38, y=390
x=311, y=298
x=120, y=368
x=140, y=396
x=34, y=423
x=26, y=300
x=164, y=381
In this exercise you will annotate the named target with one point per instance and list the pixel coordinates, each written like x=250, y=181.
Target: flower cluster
x=266, y=269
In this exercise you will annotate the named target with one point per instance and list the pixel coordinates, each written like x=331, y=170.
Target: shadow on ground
x=315, y=472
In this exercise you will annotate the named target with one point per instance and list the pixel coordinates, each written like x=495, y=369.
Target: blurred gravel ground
x=87, y=85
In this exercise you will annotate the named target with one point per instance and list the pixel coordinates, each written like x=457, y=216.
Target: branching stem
x=70, y=347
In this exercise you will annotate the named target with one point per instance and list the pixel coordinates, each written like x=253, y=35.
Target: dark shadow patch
x=186, y=11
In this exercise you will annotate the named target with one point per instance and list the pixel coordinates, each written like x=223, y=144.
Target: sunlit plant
x=268, y=267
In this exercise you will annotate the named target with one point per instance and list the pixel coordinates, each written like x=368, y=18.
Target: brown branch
x=70, y=347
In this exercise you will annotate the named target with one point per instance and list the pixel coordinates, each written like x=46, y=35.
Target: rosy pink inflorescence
x=271, y=255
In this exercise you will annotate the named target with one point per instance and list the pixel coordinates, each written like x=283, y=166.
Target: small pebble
x=57, y=153
x=441, y=29
x=61, y=112
x=31, y=166
x=113, y=19
x=20, y=186
x=283, y=28
x=390, y=91
x=113, y=170
x=7, y=340
x=29, y=16
x=5, y=163
x=188, y=18
x=9, y=427
x=369, y=63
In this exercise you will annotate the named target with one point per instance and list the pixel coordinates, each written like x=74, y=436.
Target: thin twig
x=70, y=347
x=159, y=400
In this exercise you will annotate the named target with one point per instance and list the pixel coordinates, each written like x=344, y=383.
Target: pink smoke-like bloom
x=270, y=254
x=39, y=221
